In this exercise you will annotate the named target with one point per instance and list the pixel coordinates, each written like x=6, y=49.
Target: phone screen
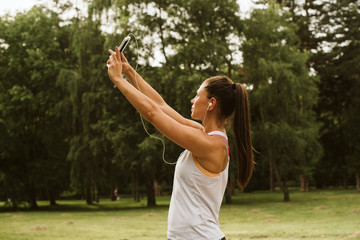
x=124, y=43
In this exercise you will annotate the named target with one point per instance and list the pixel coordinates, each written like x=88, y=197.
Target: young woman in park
x=201, y=171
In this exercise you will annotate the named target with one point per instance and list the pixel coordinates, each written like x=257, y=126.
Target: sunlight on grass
x=325, y=214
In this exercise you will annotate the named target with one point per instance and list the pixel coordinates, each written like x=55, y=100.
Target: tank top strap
x=219, y=133
x=223, y=135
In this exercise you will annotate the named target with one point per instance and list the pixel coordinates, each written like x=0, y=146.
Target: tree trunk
x=345, y=179
x=304, y=177
x=228, y=199
x=282, y=184
x=358, y=180
x=113, y=188
x=229, y=69
x=33, y=204
x=135, y=186
x=307, y=187
x=32, y=196
x=272, y=183
x=232, y=184
x=162, y=41
x=277, y=176
x=286, y=191
x=95, y=193
x=158, y=189
x=150, y=191
x=304, y=183
x=52, y=198
x=88, y=195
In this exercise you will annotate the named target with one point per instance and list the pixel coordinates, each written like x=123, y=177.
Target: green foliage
x=30, y=59
x=85, y=102
x=283, y=94
x=64, y=127
x=337, y=64
x=179, y=29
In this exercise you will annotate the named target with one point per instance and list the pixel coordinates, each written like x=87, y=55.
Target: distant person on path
x=201, y=171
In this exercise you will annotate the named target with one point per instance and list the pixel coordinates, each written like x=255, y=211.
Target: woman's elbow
x=151, y=113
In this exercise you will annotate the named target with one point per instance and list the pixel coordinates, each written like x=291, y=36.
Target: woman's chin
x=194, y=117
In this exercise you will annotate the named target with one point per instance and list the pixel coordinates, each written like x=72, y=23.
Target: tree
x=86, y=101
x=283, y=95
x=179, y=29
x=337, y=64
x=32, y=161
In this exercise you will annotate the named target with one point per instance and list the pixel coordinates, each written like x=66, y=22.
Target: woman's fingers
x=112, y=54
x=112, y=57
x=118, y=57
x=115, y=57
x=123, y=58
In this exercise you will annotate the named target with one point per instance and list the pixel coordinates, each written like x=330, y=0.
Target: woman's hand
x=126, y=67
x=114, y=65
x=117, y=64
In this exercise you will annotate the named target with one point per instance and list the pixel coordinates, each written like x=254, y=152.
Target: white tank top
x=196, y=199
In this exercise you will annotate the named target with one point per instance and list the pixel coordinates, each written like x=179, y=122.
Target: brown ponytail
x=233, y=99
x=242, y=135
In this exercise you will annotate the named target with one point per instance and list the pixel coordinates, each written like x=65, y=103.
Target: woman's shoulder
x=218, y=132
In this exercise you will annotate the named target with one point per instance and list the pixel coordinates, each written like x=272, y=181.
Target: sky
x=13, y=6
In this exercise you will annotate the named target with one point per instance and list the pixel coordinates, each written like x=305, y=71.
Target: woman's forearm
x=138, y=82
x=141, y=102
x=147, y=101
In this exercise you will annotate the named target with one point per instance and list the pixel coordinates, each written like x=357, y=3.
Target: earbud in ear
x=210, y=104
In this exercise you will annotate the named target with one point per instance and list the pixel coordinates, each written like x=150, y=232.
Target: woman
x=202, y=169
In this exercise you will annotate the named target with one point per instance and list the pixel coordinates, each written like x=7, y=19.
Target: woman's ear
x=212, y=103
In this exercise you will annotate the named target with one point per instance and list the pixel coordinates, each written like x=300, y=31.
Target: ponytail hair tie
x=233, y=86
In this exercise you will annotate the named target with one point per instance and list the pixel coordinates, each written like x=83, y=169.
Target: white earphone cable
x=142, y=120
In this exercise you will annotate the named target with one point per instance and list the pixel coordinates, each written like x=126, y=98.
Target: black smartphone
x=124, y=43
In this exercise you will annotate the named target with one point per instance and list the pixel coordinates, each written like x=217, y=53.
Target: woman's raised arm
x=195, y=140
x=138, y=82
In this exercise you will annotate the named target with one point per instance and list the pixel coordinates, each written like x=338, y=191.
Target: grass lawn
x=319, y=214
